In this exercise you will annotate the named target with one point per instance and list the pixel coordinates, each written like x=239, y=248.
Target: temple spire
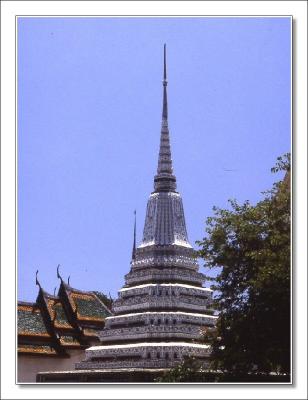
x=164, y=180
x=134, y=244
x=165, y=83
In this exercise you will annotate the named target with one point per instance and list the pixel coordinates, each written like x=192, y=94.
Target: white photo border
x=298, y=9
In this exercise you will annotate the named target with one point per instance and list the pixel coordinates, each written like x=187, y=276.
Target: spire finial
x=165, y=180
x=68, y=280
x=134, y=244
x=165, y=83
x=165, y=64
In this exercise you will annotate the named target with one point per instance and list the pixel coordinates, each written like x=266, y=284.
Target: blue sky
x=89, y=112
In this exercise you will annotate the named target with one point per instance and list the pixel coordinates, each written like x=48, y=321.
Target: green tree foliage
x=106, y=300
x=251, y=247
x=187, y=371
x=191, y=370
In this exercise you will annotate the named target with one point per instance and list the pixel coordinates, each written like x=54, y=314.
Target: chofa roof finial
x=36, y=280
x=58, y=273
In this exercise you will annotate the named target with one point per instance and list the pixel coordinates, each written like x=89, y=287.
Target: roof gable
x=55, y=323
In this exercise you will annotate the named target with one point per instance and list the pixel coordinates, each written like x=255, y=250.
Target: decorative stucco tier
x=160, y=312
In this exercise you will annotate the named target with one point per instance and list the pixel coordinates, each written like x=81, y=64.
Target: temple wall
x=28, y=366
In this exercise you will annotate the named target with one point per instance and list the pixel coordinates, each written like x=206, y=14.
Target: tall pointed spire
x=134, y=244
x=165, y=83
x=164, y=181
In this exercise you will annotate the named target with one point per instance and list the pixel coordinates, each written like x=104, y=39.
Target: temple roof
x=36, y=349
x=60, y=318
x=30, y=320
x=88, y=306
x=54, y=323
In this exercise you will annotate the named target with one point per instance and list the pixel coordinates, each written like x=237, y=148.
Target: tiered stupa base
x=159, y=315
x=160, y=355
